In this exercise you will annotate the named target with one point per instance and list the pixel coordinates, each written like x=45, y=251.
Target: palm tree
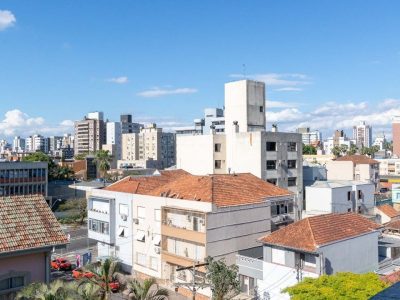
x=142, y=291
x=88, y=290
x=104, y=274
x=103, y=159
x=56, y=290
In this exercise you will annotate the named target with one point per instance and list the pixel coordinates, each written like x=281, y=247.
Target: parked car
x=79, y=273
x=61, y=264
x=114, y=286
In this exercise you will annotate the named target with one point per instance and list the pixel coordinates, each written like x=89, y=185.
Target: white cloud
x=7, y=19
x=119, y=80
x=289, y=89
x=279, y=104
x=332, y=115
x=158, y=92
x=16, y=122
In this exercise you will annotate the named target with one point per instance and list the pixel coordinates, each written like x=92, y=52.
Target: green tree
x=336, y=151
x=102, y=160
x=223, y=279
x=56, y=290
x=64, y=172
x=104, y=274
x=352, y=150
x=339, y=286
x=80, y=156
x=309, y=150
x=79, y=205
x=148, y=290
x=42, y=157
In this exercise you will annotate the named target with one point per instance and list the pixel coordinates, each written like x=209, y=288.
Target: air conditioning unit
x=135, y=221
x=124, y=217
x=157, y=250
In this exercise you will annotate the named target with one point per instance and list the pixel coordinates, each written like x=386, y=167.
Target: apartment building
x=23, y=178
x=37, y=143
x=362, y=134
x=389, y=166
x=313, y=138
x=55, y=143
x=354, y=167
x=339, y=138
x=213, y=121
x=339, y=196
x=396, y=136
x=324, y=244
x=18, y=144
x=245, y=145
x=114, y=137
x=90, y=134
x=29, y=233
x=155, y=224
x=151, y=144
x=127, y=126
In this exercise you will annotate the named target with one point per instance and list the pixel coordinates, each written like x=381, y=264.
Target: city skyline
x=165, y=65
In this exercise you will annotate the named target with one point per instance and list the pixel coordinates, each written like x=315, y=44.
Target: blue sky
x=327, y=64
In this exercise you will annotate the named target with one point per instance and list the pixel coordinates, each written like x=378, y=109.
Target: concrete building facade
x=362, y=134
x=90, y=134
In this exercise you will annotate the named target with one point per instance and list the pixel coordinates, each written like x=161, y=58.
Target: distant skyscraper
x=90, y=134
x=37, y=143
x=362, y=133
x=127, y=126
x=18, y=144
x=396, y=136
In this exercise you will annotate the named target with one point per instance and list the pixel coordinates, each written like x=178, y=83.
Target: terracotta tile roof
x=394, y=225
x=26, y=222
x=388, y=210
x=358, y=159
x=313, y=232
x=223, y=190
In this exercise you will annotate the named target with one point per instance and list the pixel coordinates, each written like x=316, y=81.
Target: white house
x=323, y=244
x=339, y=196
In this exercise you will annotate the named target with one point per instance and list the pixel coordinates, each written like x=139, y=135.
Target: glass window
x=271, y=146
x=141, y=212
x=140, y=235
x=141, y=259
x=154, y=263
x=291, y=146
x=292, y=181
x=123, y=231
x=217, y=164
x=291, y=164
x=348, y=196
x=217, y=147
x=157, y=215
x=271, y=164
x=123, y=209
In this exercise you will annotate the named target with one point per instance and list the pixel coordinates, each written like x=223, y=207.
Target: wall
x=340, y=170
x=319, y=199
x=195, y=154
x=357, y=255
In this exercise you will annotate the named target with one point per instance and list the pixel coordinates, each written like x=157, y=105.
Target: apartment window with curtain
x=292, y=147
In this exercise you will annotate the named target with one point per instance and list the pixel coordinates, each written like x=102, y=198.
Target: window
x=122, y=231
x=217, y=164
x=157, y=215
x=292, y=181
x=278, y=256
x=99, y=226
x=156, y=239
x=261, y=109
x=12, y=283
x=217, y=147
x=291, y=164
x=154, y=263
x=123, y=209
x=349, y=210
x=291, y=147
x=349, y=196
x=271, y=164
x=359, y=194
x=309, y=260
x=141, y=212
x=271, y=146
x=140, y=236
x=141, y=259
x=272, y=180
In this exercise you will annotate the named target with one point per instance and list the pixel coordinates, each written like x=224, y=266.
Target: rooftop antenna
x=244, y=71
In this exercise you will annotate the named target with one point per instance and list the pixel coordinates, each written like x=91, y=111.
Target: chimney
x=236, y=126
x=274, y=128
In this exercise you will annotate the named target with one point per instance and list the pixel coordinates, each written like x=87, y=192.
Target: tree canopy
x=310, y=150
x=339, y=286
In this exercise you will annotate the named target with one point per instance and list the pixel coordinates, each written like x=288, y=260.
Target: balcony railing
x=283, y=218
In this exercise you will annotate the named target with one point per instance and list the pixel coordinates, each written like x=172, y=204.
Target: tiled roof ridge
x=312, y=232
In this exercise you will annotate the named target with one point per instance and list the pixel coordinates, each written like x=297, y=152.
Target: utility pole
x=193, y=286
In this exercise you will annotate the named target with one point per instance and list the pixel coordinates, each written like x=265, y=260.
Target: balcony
x=283, y=219
x=249, y=266
x=183, y=234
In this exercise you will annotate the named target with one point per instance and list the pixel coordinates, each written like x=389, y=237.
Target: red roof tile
x=358, y=159
x=26, y=222
x=388, y=210
x=311, y=233
x=223, y=190
x=393, y=225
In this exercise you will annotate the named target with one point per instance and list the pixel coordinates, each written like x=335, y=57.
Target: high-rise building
x=396, y=136
x=127, y=126
x=313, y=138
x=213, y=121
x=90, y=134
x=114, y=138
x=37, y=143
x=245, y=145
x=18, y=144
x=151, y=144
x=362, y=133
x=55, y=143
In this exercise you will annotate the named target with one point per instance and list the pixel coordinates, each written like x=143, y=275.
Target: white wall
x=340, y=170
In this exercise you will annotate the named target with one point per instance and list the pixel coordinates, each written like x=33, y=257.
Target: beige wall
x=340, y=170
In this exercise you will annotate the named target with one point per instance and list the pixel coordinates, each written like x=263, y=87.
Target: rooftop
x=223, y=190
x=388, y=210
x=358, y=159
x=26, y=222
x=337, y=183
x=311, y=233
